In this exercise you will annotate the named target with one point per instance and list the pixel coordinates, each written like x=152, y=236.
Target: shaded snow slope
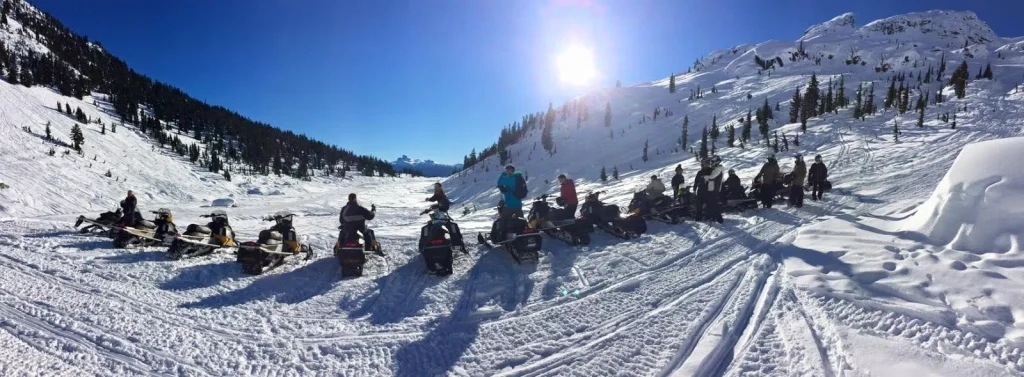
x=979, y=205
x=836, y=288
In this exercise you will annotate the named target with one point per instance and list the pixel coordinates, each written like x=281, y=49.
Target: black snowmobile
x=272, y=247
x=607, y=218
x=351, y=250
x=438, y=240
x=555, y=222
x=104, y=223
x=664, y=210
x=519, y=239
x=737, y=202
x=781, y=188
x=160, y=231
x=199, y=240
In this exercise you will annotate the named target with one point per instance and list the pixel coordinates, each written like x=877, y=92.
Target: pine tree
x=67, y=109
x=942, y=66
x=227, y=175
x=545, y=136
x=870, y=105
x=988, y=71
x=77, y=138
x=766, y=111
x=796, y=140
x=704, y=143
x=905, y=101
x=895, y=131
x=811, y=97
x=775, y=145
x=80, y=116
x=920, y=119
x=48, y=137
x=959, y=80
x=615, y=173
x=103, y=129
x=858, y=104
x=829, y=101
x=714, y=133
x=745, y=133
x=890, y=95
x=113, y=127
x=672, y=84
x=686, y=130
x=841, y=100
x=731, y=137
x=644, y=157
x=794, y=107
x=604, y=176
x=608, y=114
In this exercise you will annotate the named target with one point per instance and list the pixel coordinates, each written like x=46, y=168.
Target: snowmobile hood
x=218, y=212
x=284, y=214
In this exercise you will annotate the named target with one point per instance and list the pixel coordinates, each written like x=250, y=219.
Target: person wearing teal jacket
x=513, y=206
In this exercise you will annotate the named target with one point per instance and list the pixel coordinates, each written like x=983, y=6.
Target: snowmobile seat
x=146, y=224
x=269, y=237
x=609, y=212
x=196, y=229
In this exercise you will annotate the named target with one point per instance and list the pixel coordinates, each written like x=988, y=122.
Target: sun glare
x=576, y=66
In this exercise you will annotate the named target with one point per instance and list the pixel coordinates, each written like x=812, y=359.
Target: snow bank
x=979, y=205
x=223, y=202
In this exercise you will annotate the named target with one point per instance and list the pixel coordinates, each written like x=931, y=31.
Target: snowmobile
x=438, y=240
x=556, y=223
x=665, y=210
x=146, y=233
x=607, y=218
x=781, y=189
x=199, y=240
x=273, y=246
x=520, y=240
x=104, y=223
x=738, y=202
x=351, y=249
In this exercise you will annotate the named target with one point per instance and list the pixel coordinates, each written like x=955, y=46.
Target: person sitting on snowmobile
x=129, y=209
x=442, y=200
x=769, y=176
x=678, y=181
x=283, y=226
x=353, y=218
x=568, y=198
x=796, y=190
x=220, y=228
x=733, y=188
x=507, y=183
x=656, y=192
x=713, y=181
x=164, y=224
x=817, y=177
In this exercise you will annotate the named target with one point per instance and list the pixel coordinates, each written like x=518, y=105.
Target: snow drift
x=979, y=205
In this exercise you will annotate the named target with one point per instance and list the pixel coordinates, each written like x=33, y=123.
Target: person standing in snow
x=129, y=207
x=796, y=190
x=568, y=198
x=439, y=196
x=714, y=192
x=678, y=181
x=769, y=175
x=700, y=188
x=817, y=177
x=508, y=183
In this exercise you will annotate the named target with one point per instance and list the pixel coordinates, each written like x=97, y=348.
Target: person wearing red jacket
x=568, y=197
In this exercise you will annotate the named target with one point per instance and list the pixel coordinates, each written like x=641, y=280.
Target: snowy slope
x=856, y=285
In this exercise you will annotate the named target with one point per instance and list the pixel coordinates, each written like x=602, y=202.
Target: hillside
x=911, y=265
x=428, y=168
x=38, y=50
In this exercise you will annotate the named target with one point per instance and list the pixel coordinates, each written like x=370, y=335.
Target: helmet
x=817, y=157
x=799, y=156
x=732, y=171
x=771, y=157
x=654, y=176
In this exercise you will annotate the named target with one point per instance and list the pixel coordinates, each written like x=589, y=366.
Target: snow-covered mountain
x=428, y=168
x=912, y=265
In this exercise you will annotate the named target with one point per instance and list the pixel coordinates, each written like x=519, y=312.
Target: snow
x=979, y=205
x=223, y=202
x=890, y=275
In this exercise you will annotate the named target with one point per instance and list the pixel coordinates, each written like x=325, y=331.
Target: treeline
x=156, y=106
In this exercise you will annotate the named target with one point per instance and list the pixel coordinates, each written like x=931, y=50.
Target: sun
x=576, y=66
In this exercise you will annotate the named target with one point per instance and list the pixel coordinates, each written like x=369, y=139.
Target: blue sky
x=435, y=78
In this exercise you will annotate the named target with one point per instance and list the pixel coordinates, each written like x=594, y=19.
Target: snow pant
x=702, y=199
x=817, y=190
x=714, y=210
x=796, y=196
x=507, y=213
x=767, y=194
x=566, y=213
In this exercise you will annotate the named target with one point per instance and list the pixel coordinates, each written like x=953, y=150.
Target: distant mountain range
x=427, y=167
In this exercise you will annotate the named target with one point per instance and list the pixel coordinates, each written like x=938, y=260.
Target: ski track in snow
x=772, y=292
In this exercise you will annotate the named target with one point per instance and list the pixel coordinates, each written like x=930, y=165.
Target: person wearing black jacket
x=733, y=188
x=817, y=177
x=439, y=196
x=353, y=218
x=700, y=188
x=129, y=210
x=678, y=181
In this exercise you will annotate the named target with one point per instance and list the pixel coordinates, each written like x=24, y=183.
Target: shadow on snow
x=202, y=276
x=291, y=287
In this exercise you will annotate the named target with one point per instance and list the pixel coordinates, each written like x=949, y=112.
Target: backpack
x=520, y=191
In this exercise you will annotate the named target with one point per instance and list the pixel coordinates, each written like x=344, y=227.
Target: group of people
x=769, y=178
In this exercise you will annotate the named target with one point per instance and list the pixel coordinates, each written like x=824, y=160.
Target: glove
x=502, y=189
